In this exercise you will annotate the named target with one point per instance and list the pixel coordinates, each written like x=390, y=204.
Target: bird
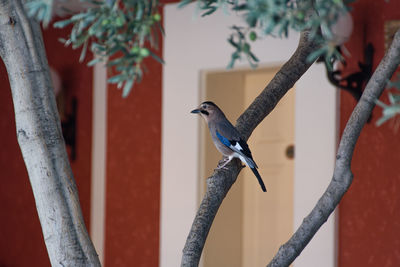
x=226, y=138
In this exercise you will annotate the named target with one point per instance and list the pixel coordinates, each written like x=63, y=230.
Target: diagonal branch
x=342, y=175
x=221, y=181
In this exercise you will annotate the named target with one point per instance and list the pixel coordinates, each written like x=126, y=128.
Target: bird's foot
x=221, y=168
x=225, y=161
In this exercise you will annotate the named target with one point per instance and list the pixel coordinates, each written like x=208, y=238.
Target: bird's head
x=207, y=110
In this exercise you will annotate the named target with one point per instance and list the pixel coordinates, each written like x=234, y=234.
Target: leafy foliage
x=40, y=9
x=239, y=41
x=393, y=108
x=121, y=33
x=277, y=18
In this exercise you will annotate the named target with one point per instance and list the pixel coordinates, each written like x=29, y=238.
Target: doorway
x=251, y=225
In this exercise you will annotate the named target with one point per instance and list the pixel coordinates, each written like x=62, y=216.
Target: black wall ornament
x=353, y=83
x=68, y=126
x=67, y=108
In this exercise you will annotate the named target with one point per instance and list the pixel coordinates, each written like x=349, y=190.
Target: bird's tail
x=260, y=181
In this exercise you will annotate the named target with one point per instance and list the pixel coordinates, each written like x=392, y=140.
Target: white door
x=251, y=225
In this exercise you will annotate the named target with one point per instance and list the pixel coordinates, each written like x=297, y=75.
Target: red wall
x=369, y=218
x=134, y=172
x=133, y=167
x=21, y=241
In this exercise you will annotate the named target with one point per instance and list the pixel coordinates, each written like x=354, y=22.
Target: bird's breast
x=226, y=151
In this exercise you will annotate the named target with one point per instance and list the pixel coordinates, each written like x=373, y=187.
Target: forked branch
x=221, y=181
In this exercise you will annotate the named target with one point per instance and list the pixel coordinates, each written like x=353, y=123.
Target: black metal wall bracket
x=68, y=126
x=354, y=83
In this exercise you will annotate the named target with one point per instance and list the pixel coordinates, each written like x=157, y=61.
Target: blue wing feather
x=242, y=148
x=223, y=139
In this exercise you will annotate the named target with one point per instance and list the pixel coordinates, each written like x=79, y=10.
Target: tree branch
x=221, y=181
x=40, y=139
x=342, y=175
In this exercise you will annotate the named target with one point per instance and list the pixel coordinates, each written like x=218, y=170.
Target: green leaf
x=391, y=110
x=382, y=120
x=211, y=10
x=117, y=78
x=62, y=23
x=235, y=56
x=79, y=16
x=240, y=7
x=96, y=46
x=40, y=9
x=246, y=48
x=94, y=61
x=316, y=54
x=157, y=58
x=253, y=57
x=395, y=83
x=388, y=113
x=381, y=104
x=115, y=61
x=394, y=98
x=253, y=36
x=95, y=2
x=184, y=3
x=144, y=52
x=233, y=43
x=83, y=52
x=127, y=88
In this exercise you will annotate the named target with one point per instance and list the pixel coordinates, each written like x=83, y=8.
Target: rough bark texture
x=221, y=181
x=342, y=175
x=40, y=139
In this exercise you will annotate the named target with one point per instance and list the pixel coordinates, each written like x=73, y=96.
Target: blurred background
x=140, y=163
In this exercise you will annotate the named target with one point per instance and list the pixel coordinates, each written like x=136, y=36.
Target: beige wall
x=205, y=48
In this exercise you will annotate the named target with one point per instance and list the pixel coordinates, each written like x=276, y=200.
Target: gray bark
x=221, y=181
x=40, y=139
x=342, y=175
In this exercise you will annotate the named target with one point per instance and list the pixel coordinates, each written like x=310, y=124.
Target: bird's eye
x=204, y=106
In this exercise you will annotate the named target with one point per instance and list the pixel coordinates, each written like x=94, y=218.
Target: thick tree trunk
x=40, y=139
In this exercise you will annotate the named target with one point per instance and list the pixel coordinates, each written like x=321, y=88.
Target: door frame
x=195, y=44
x=98, y=164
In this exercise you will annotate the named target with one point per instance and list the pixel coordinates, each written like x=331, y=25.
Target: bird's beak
x=195, y=111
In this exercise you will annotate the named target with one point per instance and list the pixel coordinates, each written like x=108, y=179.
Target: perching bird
x=226, y=138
